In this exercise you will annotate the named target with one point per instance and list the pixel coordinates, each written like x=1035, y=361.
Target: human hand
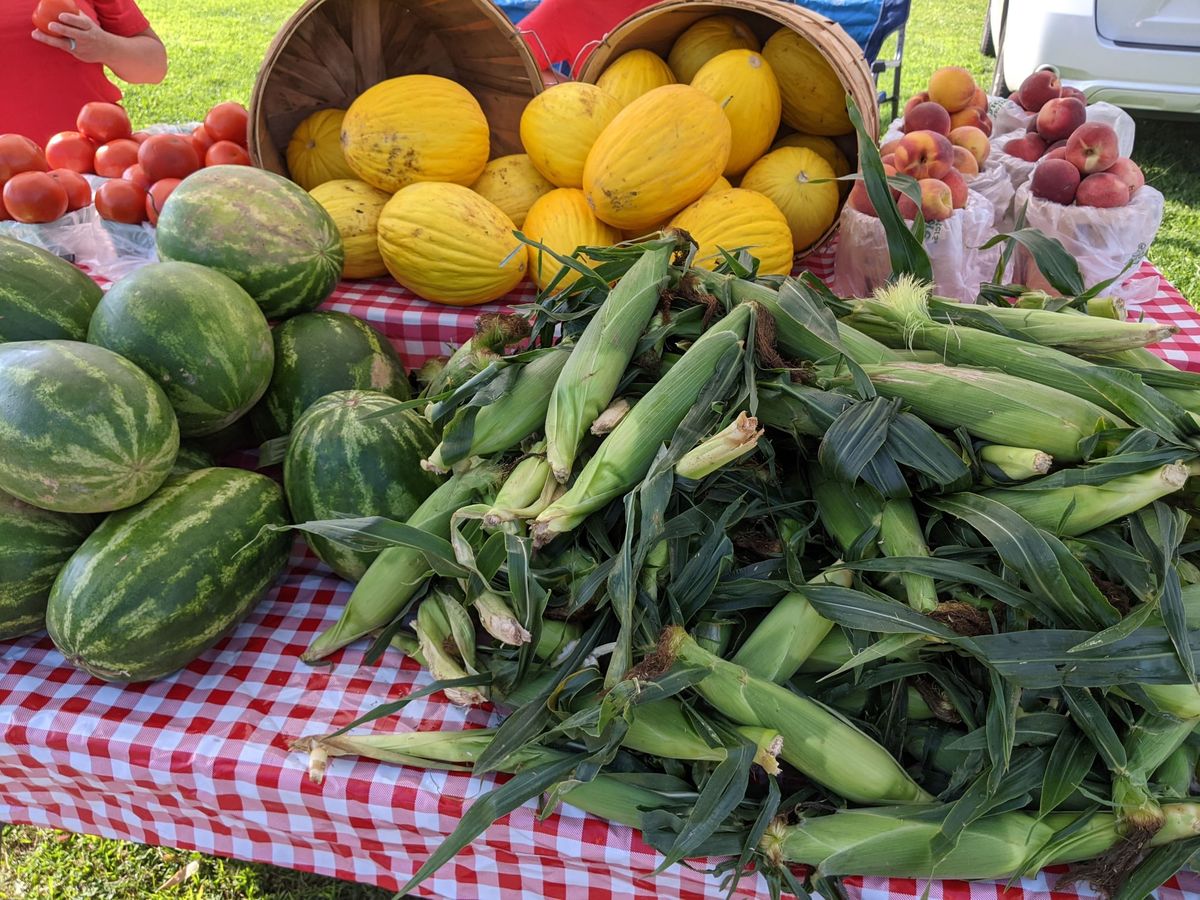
x=78, y=35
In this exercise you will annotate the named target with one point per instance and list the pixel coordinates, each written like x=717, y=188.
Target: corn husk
x=727, y=445
x=900, y=535
x=1015, y=463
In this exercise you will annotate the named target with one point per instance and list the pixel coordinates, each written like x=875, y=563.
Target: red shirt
x=566, y=30
x=41, y=87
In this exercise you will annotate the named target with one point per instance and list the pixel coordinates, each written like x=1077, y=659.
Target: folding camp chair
x=869, y=23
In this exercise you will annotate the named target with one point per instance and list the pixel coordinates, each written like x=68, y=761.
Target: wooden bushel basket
x=657, y=27
x=330, y=51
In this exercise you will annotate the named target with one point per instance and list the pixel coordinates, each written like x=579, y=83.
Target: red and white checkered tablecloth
x=199, y=760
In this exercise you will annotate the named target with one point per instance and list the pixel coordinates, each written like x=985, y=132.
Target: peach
x=965, y=162
x=889, y=160
x=1129, y=172
x=1060, y=117
x=1092, y=147
x=927, y=116
x=1038, y=88
x=1055, y=180
x=1029, y=148
x=1068, y=91
x=972, y=139
x=1103, y=190
x=914, y=100
x=859, y=199
x=979, y=100
x=937, y=203
x=1056, y=153
x=1056, y=145
x=958, y=188
x=970, y=116
x=952, y=87
x=889, y=147
x=924, y=154
x=1015, y=97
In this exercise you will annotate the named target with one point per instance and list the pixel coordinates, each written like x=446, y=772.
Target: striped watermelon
x=261, y=230
x=192, y=457
x=157, y=585
x=82, y=430
x=42, y=297
x=319, y=353
x=34, y=545
x=195, y=332
x=341, y=464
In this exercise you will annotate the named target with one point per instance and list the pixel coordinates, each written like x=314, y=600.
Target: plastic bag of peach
x=862, y=263
x=1103, y=241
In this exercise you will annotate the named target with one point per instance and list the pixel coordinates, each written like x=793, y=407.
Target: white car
x=1137, y=54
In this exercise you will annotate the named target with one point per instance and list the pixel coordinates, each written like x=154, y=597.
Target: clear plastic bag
x=959, y=266
x=1102, y=241
x=994, y=183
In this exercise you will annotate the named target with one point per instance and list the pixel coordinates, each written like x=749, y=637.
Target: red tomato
x=35, y=198
x=49, y=10
x=202, y=140
x=157, y=196
x=121, y=201
x=228, y=122
x=137, y=175
x=19, y=154
x=168, y=156
x=103, y=122
x=226, y=153
x=71, y=150
x=140, y=136
x=115, y=157
x=79, y=192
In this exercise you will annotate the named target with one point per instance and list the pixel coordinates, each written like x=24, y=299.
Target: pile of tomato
x=41, y=186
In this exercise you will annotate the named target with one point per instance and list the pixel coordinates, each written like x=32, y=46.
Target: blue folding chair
x=516, y=10
x=869, y=23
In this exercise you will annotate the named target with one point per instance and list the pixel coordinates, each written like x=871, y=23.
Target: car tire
x=999, y=85
x=987, y=46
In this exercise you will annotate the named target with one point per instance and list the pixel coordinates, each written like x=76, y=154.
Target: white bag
x=1102, y=241
x=995, y=184
x=862, y=262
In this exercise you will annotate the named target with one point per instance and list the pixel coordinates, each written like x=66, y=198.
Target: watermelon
x=42, y=297
x=82, y=430
x=342, y=464
x=192, y=457
x=195, y=332
x=158, y=584
x=319, y=353
x=261, y=230
x=34, y=545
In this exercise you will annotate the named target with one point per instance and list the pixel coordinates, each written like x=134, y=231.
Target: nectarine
x=1092, y=147
x=1040, y=87
x=1129, y=172
x=1029, y=148
x=1055, y=180
x=1059, y=118
x=1056, y=152
x=1103, y=190
x=1068, y=91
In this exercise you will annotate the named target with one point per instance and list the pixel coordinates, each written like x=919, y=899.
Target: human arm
x=140, y=59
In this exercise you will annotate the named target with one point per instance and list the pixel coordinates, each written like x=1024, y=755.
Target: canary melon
x=814, y=99
x=416, y=128
x=738, y=220
x=314, y=154
x=721, y=184
x=560, y=125
x=513, y=183
x=745, y=87
x=563, y=221
x=634, y=73
x=659, y=154
x=354, y=207
x=824, y=148
x=801, y=184
x=444, y=242
x=706, y=39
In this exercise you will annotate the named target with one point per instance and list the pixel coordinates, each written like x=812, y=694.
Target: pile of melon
x=729, y=140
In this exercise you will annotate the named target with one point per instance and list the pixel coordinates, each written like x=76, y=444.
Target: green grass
x=215, y=48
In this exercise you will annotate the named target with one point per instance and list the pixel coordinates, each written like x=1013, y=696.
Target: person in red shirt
x=47, y=78
x=565, y=31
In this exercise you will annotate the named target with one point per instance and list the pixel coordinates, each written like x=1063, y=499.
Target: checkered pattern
x=200, y=760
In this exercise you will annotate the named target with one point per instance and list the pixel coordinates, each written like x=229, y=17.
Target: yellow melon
x=745, y=87
x=721, y=184
x=738, y=220
x=512, y=183
x=559, y=126
x=814, y=100
x=354, y=207
x=416, y=128
x=786, y=177
x=314, y=154
x=660, y=153
x=704, y=40
x=444, y=242
x=632, y=74
x=563, y=221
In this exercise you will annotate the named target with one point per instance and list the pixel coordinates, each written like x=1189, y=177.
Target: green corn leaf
x=1158, y=867
x=1000, y=727
x=860, y=611
x=882, y=648
x=855, y=437
x=1123, y=629
x=1049, y=255
x=394, y=706
x=1070, y=760
x=1089, y=715
x=1033, y=729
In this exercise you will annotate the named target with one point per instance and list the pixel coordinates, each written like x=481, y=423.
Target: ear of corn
x=1148, y=744
x=599, y=358
x=625, y=456
x=498, y=619
x=399, y=572
x=900, y=535
x=522, y=489
x=850, y=513
x=727, y=445
x=442, y=623
x=1077, y=509
x=1015, y=463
